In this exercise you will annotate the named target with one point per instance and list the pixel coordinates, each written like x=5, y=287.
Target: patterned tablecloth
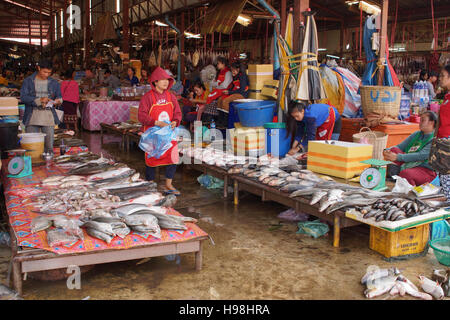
x=17, y=196
x=96, y=112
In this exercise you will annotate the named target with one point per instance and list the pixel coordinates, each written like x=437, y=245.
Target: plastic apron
x=162, y=112
x=217, y=93
x=325, y=131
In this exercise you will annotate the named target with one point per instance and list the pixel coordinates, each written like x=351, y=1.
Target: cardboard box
x=260, y=69
x=257, y=82
x=258, y=74
x=256, y=94
x=341, y=159
x=134, y=113
x=248, y=140
x=270, y=88
x=9, y=106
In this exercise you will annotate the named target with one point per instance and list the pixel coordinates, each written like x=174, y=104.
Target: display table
x=109, y=112
x=31, y=252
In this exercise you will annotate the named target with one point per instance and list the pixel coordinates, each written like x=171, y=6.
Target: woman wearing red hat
x=157, y=107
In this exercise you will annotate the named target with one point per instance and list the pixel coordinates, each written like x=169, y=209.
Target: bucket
x=256, y=112
x=8, y=136
x=34, y=142
x=277, y=143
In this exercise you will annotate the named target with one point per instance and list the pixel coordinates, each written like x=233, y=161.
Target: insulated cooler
x=340, y=159
x=248, y=141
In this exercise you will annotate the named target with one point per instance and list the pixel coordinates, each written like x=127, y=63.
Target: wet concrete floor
x=250, y=259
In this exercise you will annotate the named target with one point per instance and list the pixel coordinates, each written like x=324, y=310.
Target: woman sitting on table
x=238, y=88
x=411, y=156
x=314, y=122
x=131, y=77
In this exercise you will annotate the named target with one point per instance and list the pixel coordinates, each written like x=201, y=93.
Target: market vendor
x=111, y=81
x=157, y=107
x=314, y=122
x=145, y=78
x=223, y=81
x=37, y=90
x=131, y=78
x=237, y=90
x=89, y=79
x=411, y=156
x=198, y=100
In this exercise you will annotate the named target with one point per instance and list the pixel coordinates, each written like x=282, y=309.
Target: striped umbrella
x=309, y=85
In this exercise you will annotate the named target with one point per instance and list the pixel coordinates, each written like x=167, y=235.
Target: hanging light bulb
x=244, y=20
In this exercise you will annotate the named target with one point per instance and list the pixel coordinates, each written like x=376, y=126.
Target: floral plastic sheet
x=20, y=216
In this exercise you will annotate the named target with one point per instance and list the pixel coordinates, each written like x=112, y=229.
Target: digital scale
x=374, y=177
x=20, y=165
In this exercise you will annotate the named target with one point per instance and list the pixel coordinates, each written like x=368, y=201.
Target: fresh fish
x=374, y=272
x=347, y=203
x=291, y=187
x=381, y=216
x=150, y=199
x=326, y=201
x=140, y=219
x=128, y=209
x=72, y=178
x=110, y=174
x=235, y=170
x=40, y=223
x=52, y=179
x=168, y=201
x=276, y=182
x=305, y=191
x=397, y=214
x=120, y=229
x=409, y=289
x=268, y=179
x=100, y=226
x=128, y=186
x=317, y=196
x=156, y=232
x=99, y=235
x=74, y=183
x=263, y=176
x=283, y=174
x=371, y=213
x=293, y=179
x=255, y=174
x=431, y=287
x=379, y=286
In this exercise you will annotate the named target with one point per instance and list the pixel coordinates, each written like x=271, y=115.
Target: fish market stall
x=120, y=129
x=96, y=112
x=84, y=210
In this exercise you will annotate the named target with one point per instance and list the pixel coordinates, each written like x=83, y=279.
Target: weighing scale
x=374, y=177
x=20, y=165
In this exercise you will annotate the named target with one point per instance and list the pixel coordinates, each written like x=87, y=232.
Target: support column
x=87, y=34
x=29, y=34
x=125, y=27
x=283, y=17
x=383, y=39
x=66, y=32
x=181, y=56
x=341, y=40
x=40, y=24
x=52, y=26
x=299, y=7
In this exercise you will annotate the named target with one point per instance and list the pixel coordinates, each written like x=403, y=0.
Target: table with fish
x=340, y=203
x=84, y=209
x=96, y=112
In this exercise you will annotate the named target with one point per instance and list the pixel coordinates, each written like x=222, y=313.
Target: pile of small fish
x=380, y=281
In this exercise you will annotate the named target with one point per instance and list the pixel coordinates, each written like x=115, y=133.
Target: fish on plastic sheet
x=128, y=209
x=40, y=223
x=150, y=199
x=120, y=228
x=58, y=237
x=319, y=194
x=112, y=175
x=100, y=226
x=99, y=235
x=168, y=201
x=333, y=196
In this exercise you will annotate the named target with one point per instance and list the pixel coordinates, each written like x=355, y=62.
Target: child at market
x=157, y=107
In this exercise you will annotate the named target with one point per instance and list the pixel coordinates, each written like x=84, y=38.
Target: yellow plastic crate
x=341, y=159
x=395, y=244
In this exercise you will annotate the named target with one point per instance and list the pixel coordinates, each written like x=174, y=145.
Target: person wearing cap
x=36, y=91
x=159, y=107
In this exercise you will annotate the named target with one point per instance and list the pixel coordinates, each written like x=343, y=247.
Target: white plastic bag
x=401, y=185
x=425, y=190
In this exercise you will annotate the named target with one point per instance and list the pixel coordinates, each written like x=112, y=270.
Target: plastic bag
x=40, y=223
x=401, y=185
x=292, y=216
x=439, y=230
x=156, y=140
x=210, y=182
x=314, y=228
x=425, y=190
x=58, y=237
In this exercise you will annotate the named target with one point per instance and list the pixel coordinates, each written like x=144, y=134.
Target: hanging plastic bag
x=156, y=140
x=401, y=185
x=314, y=228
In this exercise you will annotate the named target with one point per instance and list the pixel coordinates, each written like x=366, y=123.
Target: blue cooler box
x=277, y=143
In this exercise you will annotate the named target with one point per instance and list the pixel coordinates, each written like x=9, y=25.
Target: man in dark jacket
x=40, y=93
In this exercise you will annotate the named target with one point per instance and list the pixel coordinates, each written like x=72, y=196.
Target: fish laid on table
x=111, y=175
x=99, y=235
x=349, y=203
x=128, y=209
x=168, y=201
x=149, y=199
x=40, y=223
x=290, y=188
x=120, y=229
x=333, y=196
x=304, y=191
x=100, y=226
x=431, y=287
x=317, y=196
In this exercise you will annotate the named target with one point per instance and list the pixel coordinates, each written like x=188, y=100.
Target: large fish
x=317, y=196
x=100, y=226
x=99, y=235
x=379, y=286
x=431, y=287
x=108, y=175
x=149, y=199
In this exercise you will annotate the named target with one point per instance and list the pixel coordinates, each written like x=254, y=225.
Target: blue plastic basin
x=255, y=112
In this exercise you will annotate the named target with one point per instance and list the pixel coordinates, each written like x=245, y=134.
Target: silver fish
x=376, y=273
x=431, y=287
x=40, y=223
x=379, y=286
x=120, y=229
x=99, y=235
x=110, y=174
x=283, y=174
x=100, y=226
x=317, y=196
x=129, y=209
x=291, y=187
x=409, y=289
x=305, y=191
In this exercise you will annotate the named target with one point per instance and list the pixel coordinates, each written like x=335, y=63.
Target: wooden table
x=108, y=128
x=267, y=193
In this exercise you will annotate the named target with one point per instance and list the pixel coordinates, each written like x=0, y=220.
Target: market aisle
x=248, y=261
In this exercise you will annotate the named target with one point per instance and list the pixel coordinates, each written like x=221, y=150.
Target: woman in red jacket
x=157, y=107
x=443, y=128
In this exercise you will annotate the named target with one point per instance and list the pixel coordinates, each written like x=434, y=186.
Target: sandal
x=174, y=192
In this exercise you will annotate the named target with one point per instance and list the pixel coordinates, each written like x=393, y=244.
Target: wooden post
x=29, y=33
x=337, y=231
x=199, y=257
x=236, y=193
x=299, y=7
x=181, y=56
x=283, y=17
x=125, y=27
x=66, y=32
x=341, y=40
x=87, y=34
x=383, y=39
x=52, y=30
x=40, y=24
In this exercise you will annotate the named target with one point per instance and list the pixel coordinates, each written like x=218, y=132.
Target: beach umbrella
x=289, y=33
x=309, y=84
